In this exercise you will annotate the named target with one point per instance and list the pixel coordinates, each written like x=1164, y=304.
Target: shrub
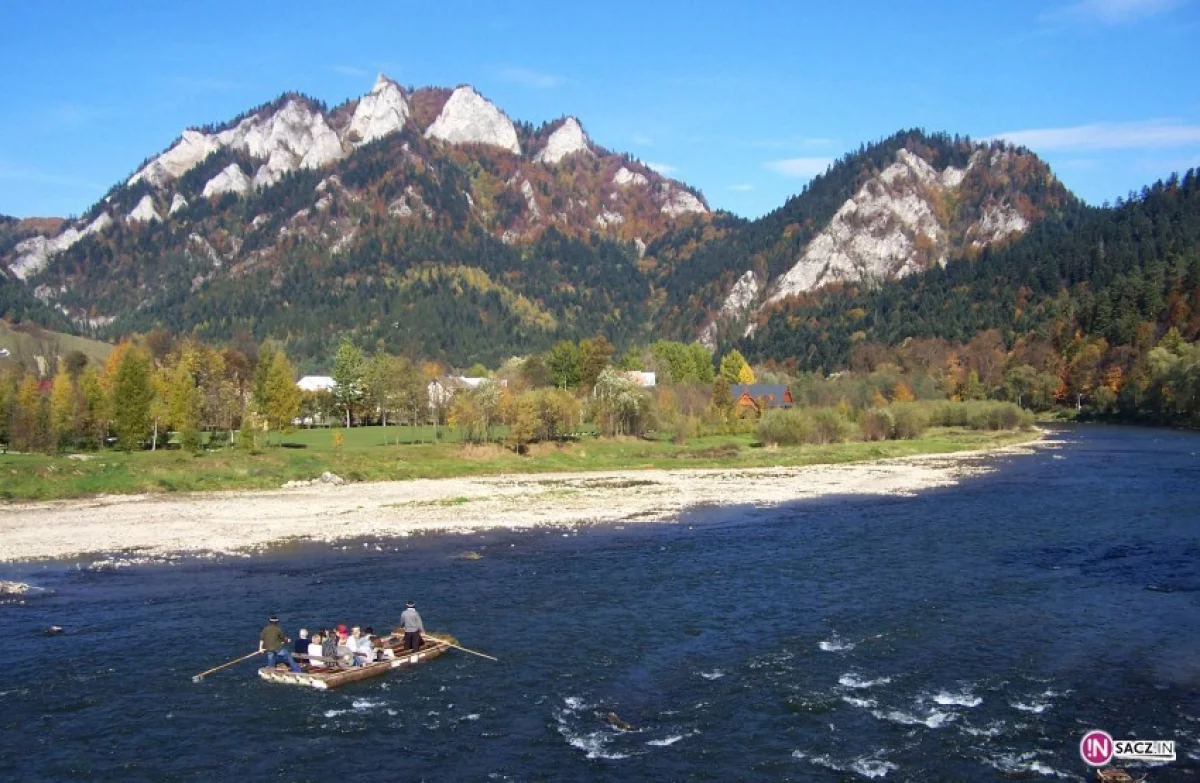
x=877, y=424
x=785, y=428
x=981, y=415
x=830, y=426
x=909, y=420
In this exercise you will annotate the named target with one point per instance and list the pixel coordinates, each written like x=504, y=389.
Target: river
x=973, y=633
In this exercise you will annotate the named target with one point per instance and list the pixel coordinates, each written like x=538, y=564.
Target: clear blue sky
x=743, y=100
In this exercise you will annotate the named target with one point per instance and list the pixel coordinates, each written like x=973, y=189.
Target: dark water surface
x=968, y=633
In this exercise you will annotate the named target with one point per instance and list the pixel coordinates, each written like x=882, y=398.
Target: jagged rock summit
x=382, y=111
x=292, y=178
x=907, y=215
x=568, y=139
x=469, y=118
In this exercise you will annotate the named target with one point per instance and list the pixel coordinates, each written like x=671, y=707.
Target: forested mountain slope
x=1124, y=275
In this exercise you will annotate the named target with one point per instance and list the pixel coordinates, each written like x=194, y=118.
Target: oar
x=200, y=676
x=460, y=647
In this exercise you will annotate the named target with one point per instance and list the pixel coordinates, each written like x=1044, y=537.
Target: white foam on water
x=873, y=768
x=935, y=719
x=866, y=766
x=593, y=744
x=993, y=730
x=852, y=680
x=662, y=743
x=362, y=705
x=1024, y=763
x=1036, y=707
x=835, y=644
x=961, y=699
x=864, y=703
x=715, y=674
x=472, y=716
x=335, y=713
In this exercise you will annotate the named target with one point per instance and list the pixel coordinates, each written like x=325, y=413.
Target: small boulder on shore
x=332, y=479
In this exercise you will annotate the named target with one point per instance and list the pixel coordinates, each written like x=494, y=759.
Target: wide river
x=970, y=633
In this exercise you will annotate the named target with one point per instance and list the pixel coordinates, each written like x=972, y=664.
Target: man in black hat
x=413, y=627
x=273, y=641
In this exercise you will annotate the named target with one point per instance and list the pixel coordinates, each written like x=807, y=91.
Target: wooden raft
x=329, y=677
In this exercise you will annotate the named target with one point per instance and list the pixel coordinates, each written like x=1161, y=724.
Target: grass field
x=25, y=343
x=365, y=457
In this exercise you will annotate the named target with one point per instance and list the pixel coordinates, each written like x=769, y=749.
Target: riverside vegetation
x=165, y=415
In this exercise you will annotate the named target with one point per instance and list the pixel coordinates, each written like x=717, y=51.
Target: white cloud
x=530, y=78
x=741, y=188
x=662, y=168
x=1109, y=11
x=349, y=70
x=1106, y=136
x=798, y=167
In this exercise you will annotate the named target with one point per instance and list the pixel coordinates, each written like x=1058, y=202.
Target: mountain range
x=430, y=220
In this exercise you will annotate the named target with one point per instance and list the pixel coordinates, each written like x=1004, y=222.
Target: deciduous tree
x=132, y=395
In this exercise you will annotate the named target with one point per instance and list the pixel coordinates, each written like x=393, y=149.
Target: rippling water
x=969, y=633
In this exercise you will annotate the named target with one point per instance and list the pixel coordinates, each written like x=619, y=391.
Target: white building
x=314, y=383
x=442, y=389
x=646, y=380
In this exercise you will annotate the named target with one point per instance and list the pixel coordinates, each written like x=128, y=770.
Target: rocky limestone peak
x=625, y=177
x=568, y=139
x=739, y=301
x=677, y=201
x=231, y=180
x=296, y=132
x=382, y=111
x=178, y=202
x=192, y=147
x=144, y=212
x=469, y=118
x=877, y=233
x=33, y=254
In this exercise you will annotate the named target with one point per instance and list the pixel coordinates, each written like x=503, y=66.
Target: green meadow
x=373, y=454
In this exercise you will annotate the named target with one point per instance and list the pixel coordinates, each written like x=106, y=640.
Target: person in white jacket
x=314, y=651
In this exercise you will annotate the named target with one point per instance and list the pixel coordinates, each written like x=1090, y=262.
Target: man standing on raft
x=413, y=627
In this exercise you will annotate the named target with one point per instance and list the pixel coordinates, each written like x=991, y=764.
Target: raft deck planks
x=334, y=677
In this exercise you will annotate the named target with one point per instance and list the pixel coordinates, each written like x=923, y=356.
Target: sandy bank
x=231, y=522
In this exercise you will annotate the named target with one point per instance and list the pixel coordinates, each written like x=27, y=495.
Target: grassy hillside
x=37, y=350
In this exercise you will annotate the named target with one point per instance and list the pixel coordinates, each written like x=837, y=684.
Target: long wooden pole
x=460, y=647
x=200, y=676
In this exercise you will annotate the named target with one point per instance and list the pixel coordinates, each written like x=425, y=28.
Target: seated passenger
x=315, y=651
x=329, y=647
x=301, y=644
x=360, y=647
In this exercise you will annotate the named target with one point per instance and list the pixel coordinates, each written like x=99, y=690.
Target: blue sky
x=745, y=101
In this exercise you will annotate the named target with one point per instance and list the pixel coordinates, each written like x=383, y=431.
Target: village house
x=750, y=396
x=443, y=388
x=315, y=383
x=646, y=380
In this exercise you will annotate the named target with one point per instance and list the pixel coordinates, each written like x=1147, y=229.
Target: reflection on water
x=968, y=633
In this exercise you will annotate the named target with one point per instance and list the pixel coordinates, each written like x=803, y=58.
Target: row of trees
x=144, y=391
